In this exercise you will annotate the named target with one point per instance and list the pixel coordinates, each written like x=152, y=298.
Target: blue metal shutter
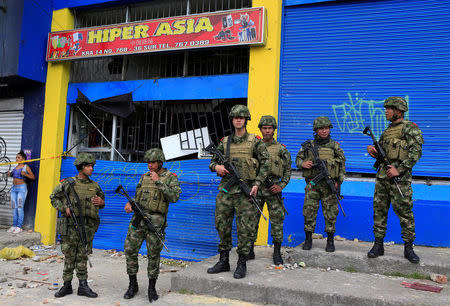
x=191, y=233
x=342, y=59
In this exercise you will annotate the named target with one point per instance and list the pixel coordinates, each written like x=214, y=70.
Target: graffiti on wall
x=354, y=115
x=4, y=192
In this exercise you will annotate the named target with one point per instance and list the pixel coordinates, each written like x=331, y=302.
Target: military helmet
x=267, y=120
x=321, y=122
x=240, y=110
x=153, y=155
x=396, y=102
x=84, y=158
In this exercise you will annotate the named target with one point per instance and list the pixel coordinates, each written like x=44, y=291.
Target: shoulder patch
x=62, y=180
x=258, y=137
x=338, y=143
x=415, y=124
x=283, y=145
x=222, y=138
x=174, y=174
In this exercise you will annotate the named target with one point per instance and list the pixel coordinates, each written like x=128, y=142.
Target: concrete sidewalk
x=320, y=283
x=24, y=238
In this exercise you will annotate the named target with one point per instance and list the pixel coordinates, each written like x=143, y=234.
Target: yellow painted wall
x=263, y=81
x=52, y=133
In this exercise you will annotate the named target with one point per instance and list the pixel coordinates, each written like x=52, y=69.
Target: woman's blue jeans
x=18, y=196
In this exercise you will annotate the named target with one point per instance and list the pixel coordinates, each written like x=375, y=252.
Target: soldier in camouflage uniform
x=331, y=152
x=247, y=152
x=280, y=175
x=155, y=190
x=402, y=142
x=91, y=199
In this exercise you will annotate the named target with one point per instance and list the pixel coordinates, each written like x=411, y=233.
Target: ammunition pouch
x=61, y=226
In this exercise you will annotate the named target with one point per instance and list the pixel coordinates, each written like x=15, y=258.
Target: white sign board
x=185, y=143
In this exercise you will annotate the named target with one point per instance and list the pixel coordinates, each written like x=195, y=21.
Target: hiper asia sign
x=224, y=28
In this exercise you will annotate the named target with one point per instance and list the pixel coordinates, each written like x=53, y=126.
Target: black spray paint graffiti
x=4, y=193
x=354, y=115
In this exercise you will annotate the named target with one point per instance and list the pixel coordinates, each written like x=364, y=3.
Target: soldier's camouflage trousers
x=74, y=253
x=385, y=193
x=314, y=194
x=246, y=220
x=276, y=217
x=134, y=240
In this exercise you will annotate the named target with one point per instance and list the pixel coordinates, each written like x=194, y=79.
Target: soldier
x=331, y=152
x=86, y=198
x=280, y=175
x=155, y=190
x=402, y=142
x=247, y=152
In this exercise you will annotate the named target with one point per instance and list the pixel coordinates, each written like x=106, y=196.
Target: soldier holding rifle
x=402, y=143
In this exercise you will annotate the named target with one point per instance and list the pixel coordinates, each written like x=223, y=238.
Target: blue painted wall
x=189, y=88
x=60, y=4
x=9, y=38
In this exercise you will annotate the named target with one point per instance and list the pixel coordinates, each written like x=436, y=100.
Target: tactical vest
x=151, y=198
x=394, y=143
x=276, y=162
x=241, y=155
x=85, y=192
x=327, y=154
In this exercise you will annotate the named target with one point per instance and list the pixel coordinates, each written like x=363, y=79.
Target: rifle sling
x=80, y=211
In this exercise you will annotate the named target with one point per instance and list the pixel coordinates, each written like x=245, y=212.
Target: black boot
x=223, y=265
x=84, y=290
x=152, y=295
x=277, y=260
x=251, y=255
x=409, y=253
x=65, y=290
x=330, y=242
x=307, y=244
x=241, y=268
x=377, y=249
x=133, y=287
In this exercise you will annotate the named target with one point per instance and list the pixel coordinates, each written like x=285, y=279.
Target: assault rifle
x=321, y=165
x=140, y=215
x=268, y=182
x=81, y=233
x=382, y=159
x=235, y=177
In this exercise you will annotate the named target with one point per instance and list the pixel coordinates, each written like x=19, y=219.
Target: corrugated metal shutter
x=342, y=59
x=191, y=232
x=11, y=132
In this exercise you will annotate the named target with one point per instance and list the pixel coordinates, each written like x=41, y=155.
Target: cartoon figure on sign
x=248, y=31
x=225, y=34
x=63, y=46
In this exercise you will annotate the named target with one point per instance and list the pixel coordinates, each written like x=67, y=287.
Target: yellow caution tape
x=36, y=159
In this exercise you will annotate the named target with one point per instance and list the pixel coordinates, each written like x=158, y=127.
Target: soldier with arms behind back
x=249, y=155
x=331, y=152
x=402, y=142
x=91, y=199
x=280, y=175
x=155, y=190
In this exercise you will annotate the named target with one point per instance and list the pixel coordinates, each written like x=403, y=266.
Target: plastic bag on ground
x=14, y=253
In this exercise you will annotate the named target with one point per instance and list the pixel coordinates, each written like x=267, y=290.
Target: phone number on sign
x=191, y=43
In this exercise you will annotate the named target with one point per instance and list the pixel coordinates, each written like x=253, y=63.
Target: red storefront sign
x=225, y=28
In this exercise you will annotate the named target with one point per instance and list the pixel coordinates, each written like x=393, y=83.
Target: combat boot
x=241, y=268
x=65, y=290
x=84, y=290
x=307, y=244
x=377, y=249
x=133, y=287
x=409, y=253
x=277, y=260
x=152, y=295
x=251, y=255
x=223, y=265
x=330, y=242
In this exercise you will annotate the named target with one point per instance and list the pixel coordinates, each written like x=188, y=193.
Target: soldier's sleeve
x=171, y=189
x=301, y=156
x=286, y=156
x=57, y=198
x=262, y=155
x=99, y=192
x=341, y=156
x=414, y=142
x=215, y=159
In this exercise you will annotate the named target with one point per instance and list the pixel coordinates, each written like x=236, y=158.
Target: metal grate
x=211, y=61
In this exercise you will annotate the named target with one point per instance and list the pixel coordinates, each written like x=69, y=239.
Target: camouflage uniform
x=254, y=172
x=331, y=152
x=73, y=250
x=402, y=143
